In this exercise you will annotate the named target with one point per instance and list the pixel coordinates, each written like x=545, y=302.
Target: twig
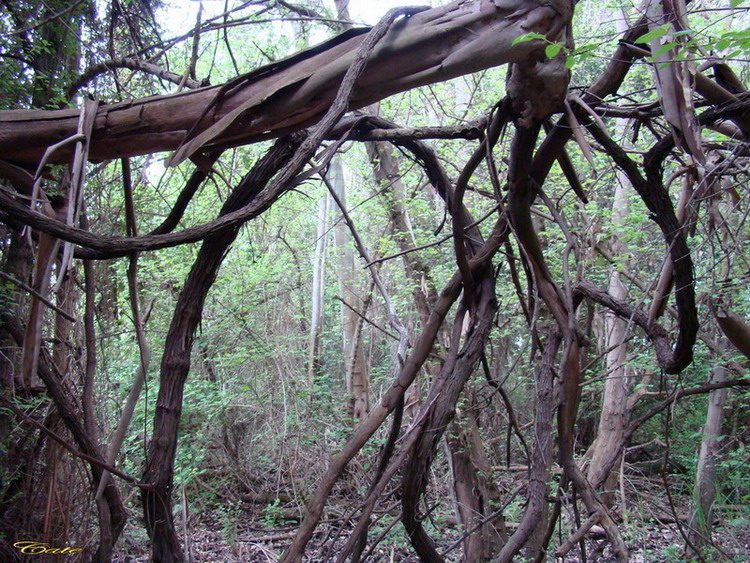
x=67, y=446
x=190, y=70
x=579, y=534
x=39, y=296
x=512, y=420
x=131, y=63
x=368, y=321
x=431, y=244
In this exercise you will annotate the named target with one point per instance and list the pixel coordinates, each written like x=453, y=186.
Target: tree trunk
x=386, y=171
x=355, y=367
x=477, y=496
x=285, y=96
x=615, y=414
x=175, y=365
x=318, y=293
x=704, y=492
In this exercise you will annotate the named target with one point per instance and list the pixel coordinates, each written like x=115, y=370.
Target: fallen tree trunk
x=429, y=46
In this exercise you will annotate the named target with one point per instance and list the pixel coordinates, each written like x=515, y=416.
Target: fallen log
x=430, y=46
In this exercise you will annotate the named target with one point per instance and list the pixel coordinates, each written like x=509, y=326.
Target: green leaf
x=666, y=48
x=722, y=44
x=660, y=31
x=735, y=3
x=552, y=49
x=527, y=37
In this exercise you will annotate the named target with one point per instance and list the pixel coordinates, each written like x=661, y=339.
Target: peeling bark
x=434, y=45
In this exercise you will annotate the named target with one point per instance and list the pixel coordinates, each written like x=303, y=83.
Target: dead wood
x=431, y=46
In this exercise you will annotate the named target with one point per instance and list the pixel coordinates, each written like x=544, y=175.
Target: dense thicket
x=379, y=298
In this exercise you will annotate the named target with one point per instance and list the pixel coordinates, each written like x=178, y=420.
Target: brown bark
x=144, y=355
x=615, y=413
x=359, y=536
x=18, y=372
x=421, y=444
x=473, y=489
x=132, y=63
x=439, y=408
x=477, y=496
x=175, y=364
x=385, y=168
x=541, y=452
x=18, y=265
x=734, y=328
x=46, y=253
x=655, y=333
x=522, y=192
x=248, y=200
x=657, y=200
x=86, y=443
x=430, y=46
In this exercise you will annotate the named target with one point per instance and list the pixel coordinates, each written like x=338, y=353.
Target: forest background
x=498, y=317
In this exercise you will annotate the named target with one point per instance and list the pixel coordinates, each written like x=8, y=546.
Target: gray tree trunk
x=316, y=316
x=615, y=410
x=704, y=492
x=355, y=367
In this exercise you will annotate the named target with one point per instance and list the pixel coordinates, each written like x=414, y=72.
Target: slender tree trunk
x=175, y=365
x=477, y=496
x=18, y=264
x=67, y=299
x=615, y=414
x=355, y=367
x=387, y=175
x=317, y=299
x=704, y=492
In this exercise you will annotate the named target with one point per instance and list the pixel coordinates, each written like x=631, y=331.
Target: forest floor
x=215, y=537
x=247, y=524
